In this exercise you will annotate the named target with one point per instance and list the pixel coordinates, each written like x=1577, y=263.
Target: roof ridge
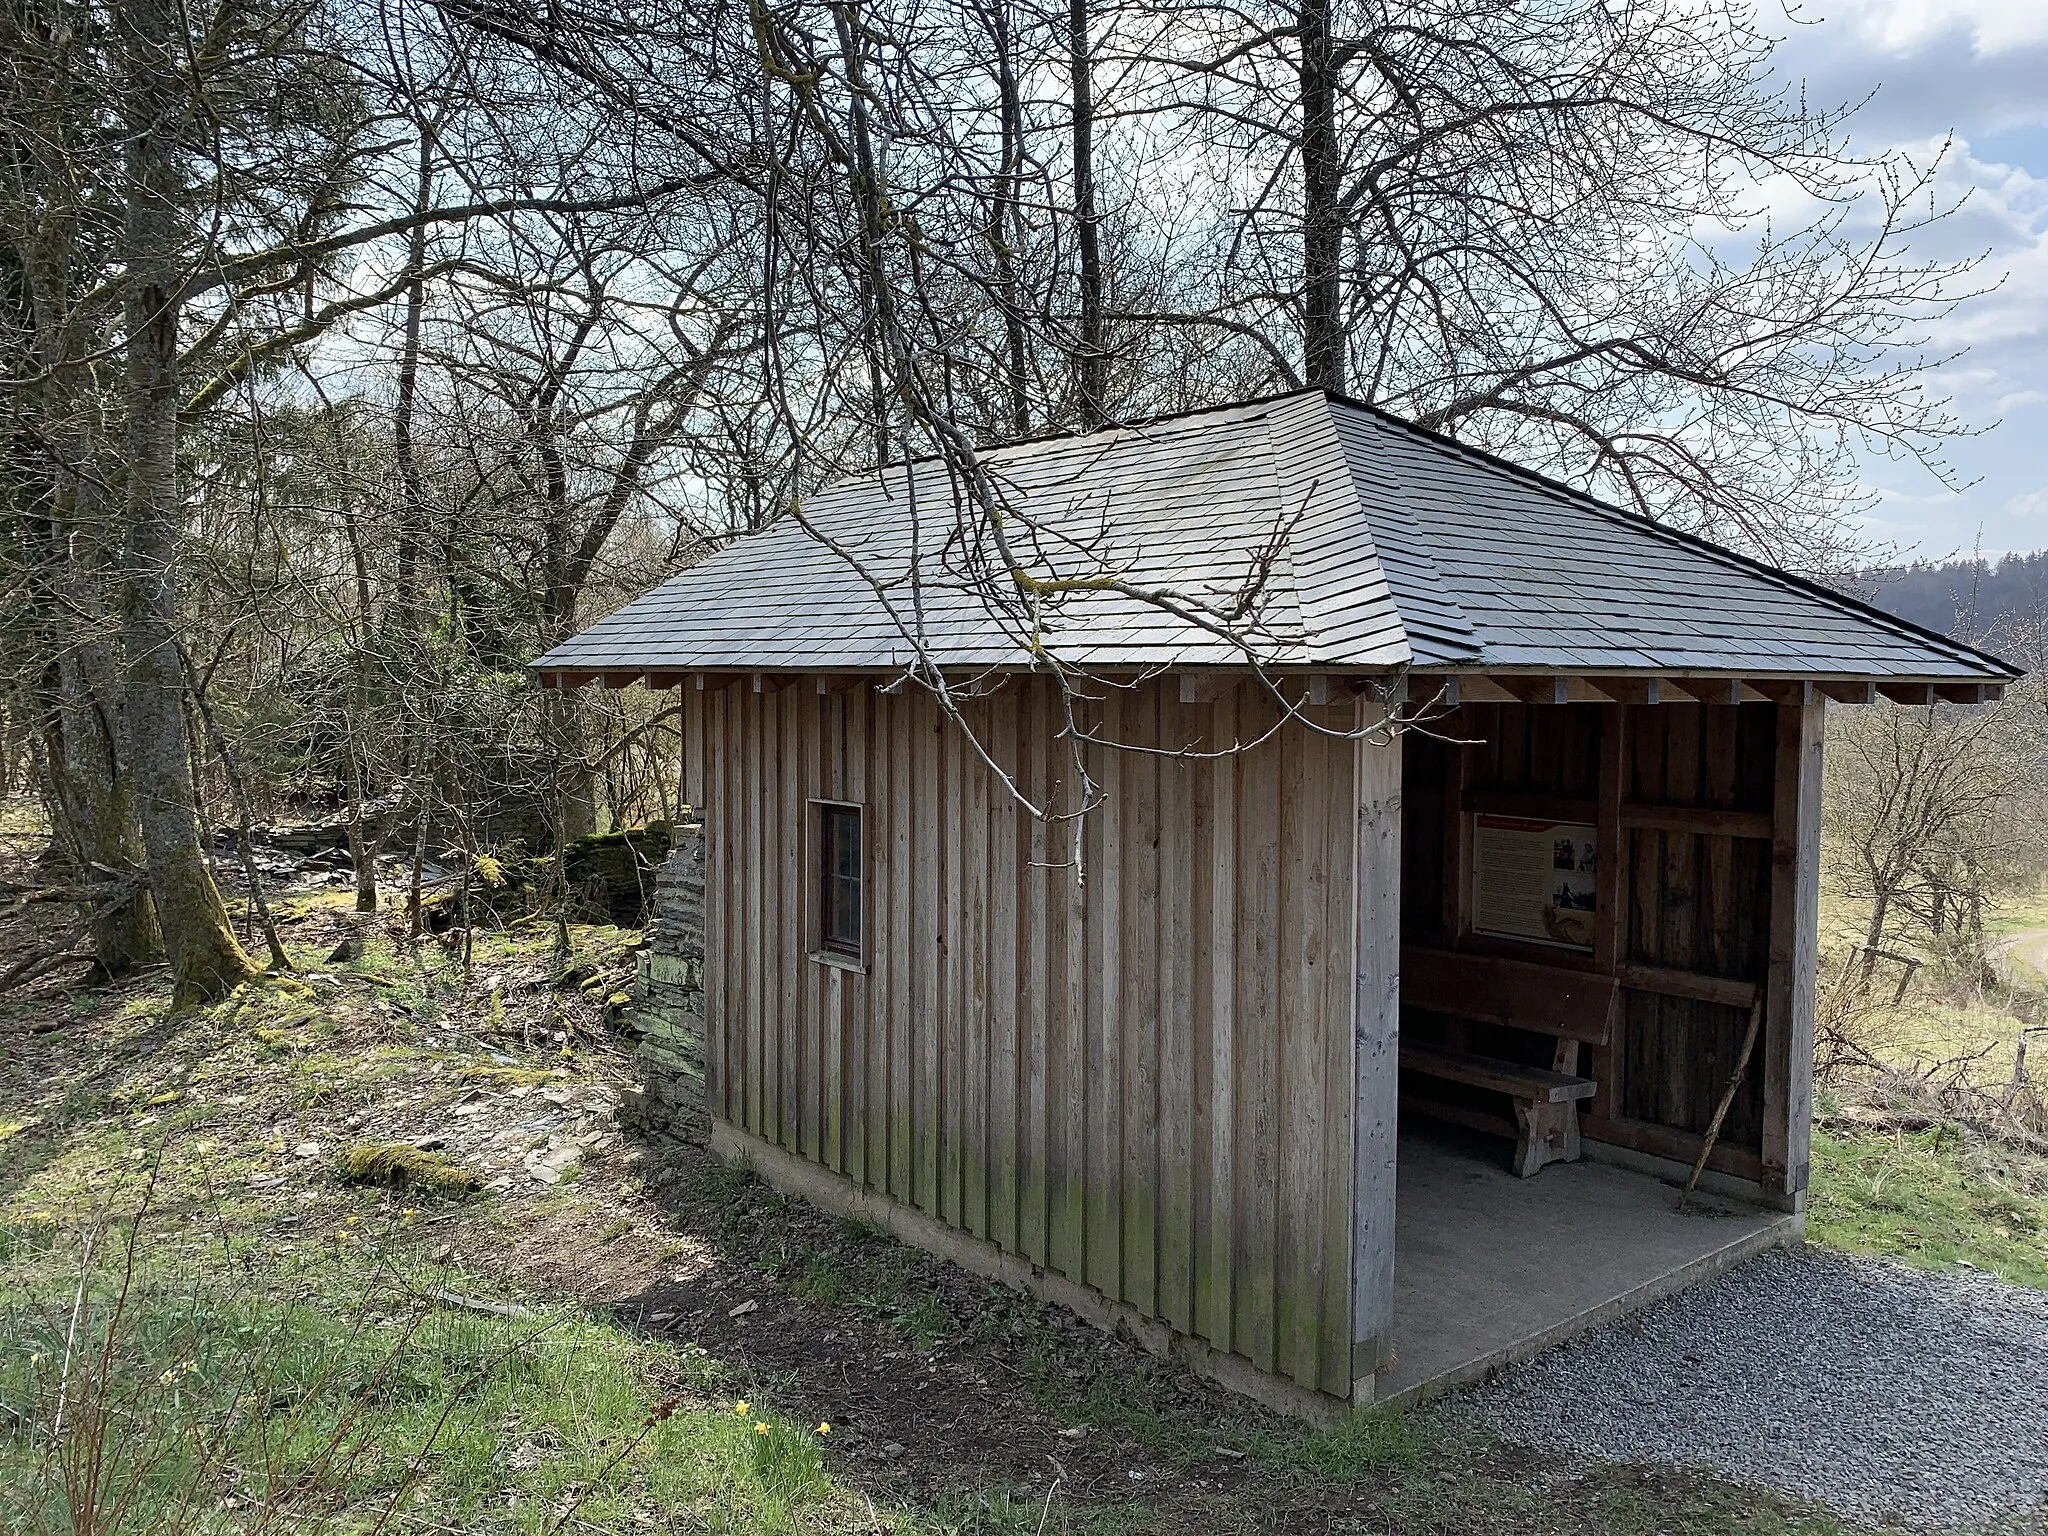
x=1321, y=497
x=1410, y=546
x=1283, y=556
x=1644, y=524
x=1048, y=439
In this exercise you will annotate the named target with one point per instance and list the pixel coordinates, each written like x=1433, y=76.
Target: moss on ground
x=399, y=1165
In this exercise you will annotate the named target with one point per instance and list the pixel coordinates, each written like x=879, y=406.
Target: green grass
x=1929, y=1201
x=337, y=1390
x=280, y=1348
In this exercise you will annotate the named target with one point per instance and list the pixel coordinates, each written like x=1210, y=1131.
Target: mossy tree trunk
x=206, y=959
x=62, y=479
x=90, y=788
x=97, y=801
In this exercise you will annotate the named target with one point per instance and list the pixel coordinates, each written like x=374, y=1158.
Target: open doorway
x=1518, y=1222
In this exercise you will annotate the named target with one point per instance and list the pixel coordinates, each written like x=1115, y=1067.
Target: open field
x=1888, y=1180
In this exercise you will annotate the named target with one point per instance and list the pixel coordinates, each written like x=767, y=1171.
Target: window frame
x=827, y=947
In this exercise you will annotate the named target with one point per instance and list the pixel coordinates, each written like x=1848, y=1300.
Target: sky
x=1976, y=71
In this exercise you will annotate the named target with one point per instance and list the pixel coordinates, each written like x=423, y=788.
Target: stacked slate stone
x=668, y=994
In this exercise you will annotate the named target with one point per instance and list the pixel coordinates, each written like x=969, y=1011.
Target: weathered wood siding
x=1708, y=840
x=1135, y=1072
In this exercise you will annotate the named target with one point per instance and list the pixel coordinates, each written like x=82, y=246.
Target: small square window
x=841, y=868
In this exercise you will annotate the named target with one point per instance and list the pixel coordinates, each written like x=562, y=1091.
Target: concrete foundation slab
x=1490, y=1268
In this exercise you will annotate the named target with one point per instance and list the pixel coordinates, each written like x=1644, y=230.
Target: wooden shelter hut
x=1155, y=1061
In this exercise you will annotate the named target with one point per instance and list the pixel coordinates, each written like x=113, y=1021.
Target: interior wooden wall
x=1708, y=821
x=1135, y=1071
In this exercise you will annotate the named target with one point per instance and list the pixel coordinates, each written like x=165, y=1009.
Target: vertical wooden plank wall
x=1795, y=921
x=1697, y=913
x=1375, y=1045
x=1136, y=1073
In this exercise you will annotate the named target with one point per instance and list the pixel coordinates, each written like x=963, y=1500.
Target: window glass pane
x=840, y=886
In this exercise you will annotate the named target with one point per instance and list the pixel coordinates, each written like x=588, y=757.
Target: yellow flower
x=760, y=1428
x=740, y=1408
x=824, y=1429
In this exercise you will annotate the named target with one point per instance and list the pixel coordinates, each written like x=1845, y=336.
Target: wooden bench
x=1546, y=1103
x=1576, y=1008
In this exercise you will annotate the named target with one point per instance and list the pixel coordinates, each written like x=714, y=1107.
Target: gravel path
x=1880, y=1391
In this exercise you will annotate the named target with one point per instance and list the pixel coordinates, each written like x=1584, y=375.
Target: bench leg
x=1549, y=1133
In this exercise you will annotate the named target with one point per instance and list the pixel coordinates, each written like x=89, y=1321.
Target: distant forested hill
x=1964, y=598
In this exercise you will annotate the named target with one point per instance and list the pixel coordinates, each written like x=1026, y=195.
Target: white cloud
x=1902, y=26
x=2000, y=220
x=2030, y=504
x=1889, y=499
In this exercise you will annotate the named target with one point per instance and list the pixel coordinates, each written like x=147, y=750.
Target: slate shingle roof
x=1382, y=546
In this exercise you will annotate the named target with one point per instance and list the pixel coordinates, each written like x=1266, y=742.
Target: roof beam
x=1785, y=690
x=838, y=682
x=1536, y=690
x=774, y=682
x=711, y=682
x=1631, y=690
x=1721, y=690
x=1845, y=692
x=1206, y=686
x=1969, y=693
x=661, y=680
x=1908, y=693
x=1475, y=688
x=1528, y=688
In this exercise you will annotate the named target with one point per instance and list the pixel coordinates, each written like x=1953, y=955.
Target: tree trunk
x=1091, y=363
x=1873, y=931
x=365, y=834
x=575, y=785
x=206, y=959
x=575, y=788
x=95, y=793
x=89, y=783
x=1006, y=222
x=1322, y=231
x=405, y=614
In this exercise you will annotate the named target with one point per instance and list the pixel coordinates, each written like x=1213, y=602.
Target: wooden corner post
x=1375, y=1034
x=1795, y=927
